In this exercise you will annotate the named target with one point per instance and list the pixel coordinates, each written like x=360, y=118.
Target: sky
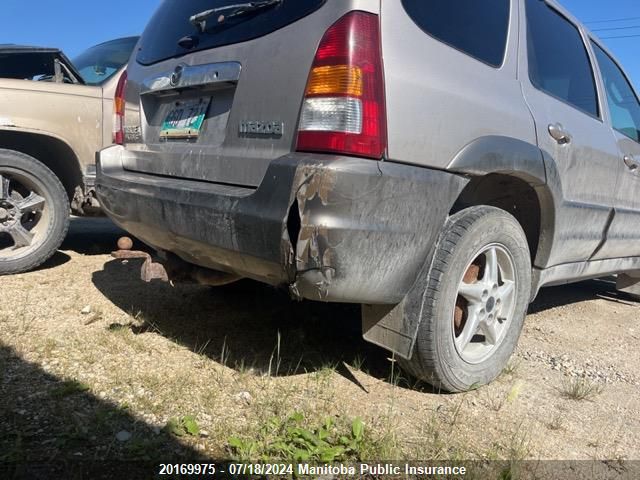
x=74, y=25
x=597, y=15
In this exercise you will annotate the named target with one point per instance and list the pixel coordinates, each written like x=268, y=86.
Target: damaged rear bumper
x=332, y=228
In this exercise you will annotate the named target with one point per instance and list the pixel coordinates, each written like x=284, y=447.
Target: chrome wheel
x=484, y=304
x=24, y=214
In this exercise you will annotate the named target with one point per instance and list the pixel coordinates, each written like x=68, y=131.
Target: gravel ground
x=95, y=364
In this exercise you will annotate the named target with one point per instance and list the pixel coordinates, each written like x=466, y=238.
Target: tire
x=34, y=213
x=461, y=290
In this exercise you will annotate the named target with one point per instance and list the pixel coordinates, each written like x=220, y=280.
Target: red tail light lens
x=344, y=106
x=119, y=105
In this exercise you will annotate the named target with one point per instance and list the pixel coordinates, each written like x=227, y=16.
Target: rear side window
x=558, y=61
x=476, y=28
x=622, y=100
x=171, y=23
x=98, y=64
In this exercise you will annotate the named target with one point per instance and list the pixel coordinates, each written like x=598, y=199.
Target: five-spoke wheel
x=34, y=212
x=22, y=212
x=484, y=304
x=474, y=300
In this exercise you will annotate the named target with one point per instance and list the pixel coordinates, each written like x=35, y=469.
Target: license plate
x=185, y=119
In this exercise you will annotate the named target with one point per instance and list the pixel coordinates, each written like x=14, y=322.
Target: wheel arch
x=52, y=151
x=513, y=175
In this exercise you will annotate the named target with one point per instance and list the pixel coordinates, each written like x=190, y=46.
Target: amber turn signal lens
x=335, y=80
x=119, y=105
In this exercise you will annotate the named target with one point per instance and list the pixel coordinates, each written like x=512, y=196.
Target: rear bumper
x=332, y=228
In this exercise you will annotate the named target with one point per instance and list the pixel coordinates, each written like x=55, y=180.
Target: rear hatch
x=217, y=102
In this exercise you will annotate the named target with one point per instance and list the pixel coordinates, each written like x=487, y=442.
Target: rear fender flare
x=523, y=160
x=506, y=155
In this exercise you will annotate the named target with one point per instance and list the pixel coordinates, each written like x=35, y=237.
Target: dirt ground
x=94, y=364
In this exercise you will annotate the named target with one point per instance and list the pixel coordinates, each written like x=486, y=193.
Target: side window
x=478, y=29
x=558, y=61
x=623, y=103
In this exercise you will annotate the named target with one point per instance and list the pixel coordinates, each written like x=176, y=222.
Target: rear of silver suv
x=389, y=153
x=230, y=106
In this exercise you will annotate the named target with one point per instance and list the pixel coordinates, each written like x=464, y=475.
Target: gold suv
x=54, y=115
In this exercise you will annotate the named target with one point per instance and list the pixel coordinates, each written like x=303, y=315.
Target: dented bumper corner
x=331, y=228
x=366, y=227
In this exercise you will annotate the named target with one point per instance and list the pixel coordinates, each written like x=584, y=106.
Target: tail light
x=119, y=105
x=344, y=107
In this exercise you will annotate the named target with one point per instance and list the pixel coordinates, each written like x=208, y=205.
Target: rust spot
x=150, y=270
x=460, y=315
x=472, y=275
x=125, y=243
x=315, y=182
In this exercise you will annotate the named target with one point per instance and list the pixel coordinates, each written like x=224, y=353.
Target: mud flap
x=395, y=327
x=389, y=327
x=629, y=283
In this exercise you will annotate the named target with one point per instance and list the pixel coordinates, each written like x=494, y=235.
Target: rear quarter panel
x=440, y=99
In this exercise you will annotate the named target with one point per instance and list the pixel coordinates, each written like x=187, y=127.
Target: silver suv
x=437, y=162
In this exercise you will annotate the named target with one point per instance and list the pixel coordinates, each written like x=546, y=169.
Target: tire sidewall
x=493, y=227
x=57, y=203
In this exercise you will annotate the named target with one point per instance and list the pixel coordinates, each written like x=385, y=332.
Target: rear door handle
x=630, y=163
x=559, y=134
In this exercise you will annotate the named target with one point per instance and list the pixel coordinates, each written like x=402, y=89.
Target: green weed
x=293, y=440
x=180, y=427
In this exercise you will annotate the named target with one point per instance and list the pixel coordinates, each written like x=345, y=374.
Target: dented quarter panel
x=366, y=227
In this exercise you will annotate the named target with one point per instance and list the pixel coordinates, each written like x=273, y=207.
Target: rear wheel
x=34, y=213
x=475, y=302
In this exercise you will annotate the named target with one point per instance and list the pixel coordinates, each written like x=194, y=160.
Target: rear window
x=99, y=63
x=476, y=28
x=27, y=65
x=171, y=23
x=623, y=103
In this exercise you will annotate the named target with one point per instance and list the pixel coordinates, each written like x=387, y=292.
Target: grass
x=358, y=363
x=296, y=439
x=556, y=422
x=275, y=360
x=496, y=401
x=512, y=368
x=182, y=426
x=506, y=457
x=178, y=390
x=581, y=389
x=455, y=415
x=68, y=388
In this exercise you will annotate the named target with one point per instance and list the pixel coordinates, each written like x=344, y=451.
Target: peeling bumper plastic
x=331, y=228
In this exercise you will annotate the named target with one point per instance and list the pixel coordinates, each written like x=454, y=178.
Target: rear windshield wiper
x=200, y=19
